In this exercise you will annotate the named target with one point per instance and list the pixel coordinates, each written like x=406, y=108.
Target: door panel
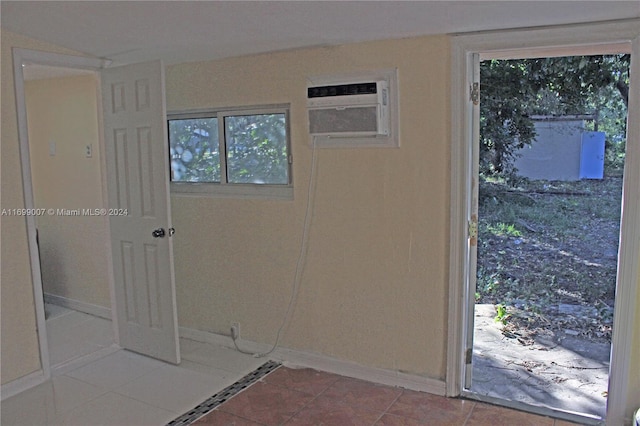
x=138, y=191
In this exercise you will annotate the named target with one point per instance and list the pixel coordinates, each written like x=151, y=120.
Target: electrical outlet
x=235, y=330
x=88, y=151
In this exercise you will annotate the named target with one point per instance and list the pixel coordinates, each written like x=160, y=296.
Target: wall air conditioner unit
x=352, y=111
x=349, y=110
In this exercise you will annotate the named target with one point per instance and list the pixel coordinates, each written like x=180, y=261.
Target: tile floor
x=73, y=335
x=126, y=389
x=308, y=397
x=121, y=388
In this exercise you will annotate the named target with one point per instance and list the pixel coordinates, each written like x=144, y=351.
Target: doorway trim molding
x=594, y=38
x=22, y=57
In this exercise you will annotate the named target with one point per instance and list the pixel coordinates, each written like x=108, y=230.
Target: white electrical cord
x=302, y=256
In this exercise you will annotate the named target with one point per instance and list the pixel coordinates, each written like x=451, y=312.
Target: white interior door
x=474, y=85
x=138, y=192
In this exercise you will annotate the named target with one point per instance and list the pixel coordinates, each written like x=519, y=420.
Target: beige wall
x=73, y=248
x=374, y=288
x=19, y=345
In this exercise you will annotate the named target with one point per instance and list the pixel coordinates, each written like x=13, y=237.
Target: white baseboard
x=296, y=358
x=22, y=384
x=352, y=369
x=77, y=305
x=205, y=337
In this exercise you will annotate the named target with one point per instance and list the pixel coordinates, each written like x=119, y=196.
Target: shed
x=562, y=150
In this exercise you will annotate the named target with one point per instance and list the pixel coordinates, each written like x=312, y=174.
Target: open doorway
x=549, y=202
x=604, y=38
x=134, y=192
x=71, y=235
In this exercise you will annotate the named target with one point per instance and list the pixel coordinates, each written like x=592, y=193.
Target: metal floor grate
x=230, y=391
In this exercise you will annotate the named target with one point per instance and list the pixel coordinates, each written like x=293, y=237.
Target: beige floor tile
x=116, y=370
x=46, y=403
x=173, y=388
x=112, y=409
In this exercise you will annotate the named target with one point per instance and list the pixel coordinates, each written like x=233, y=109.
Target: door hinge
x=475, y=93
x=468, y=356
x=473, y=229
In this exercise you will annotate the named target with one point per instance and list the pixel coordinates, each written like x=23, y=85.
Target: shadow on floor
x=572, y=375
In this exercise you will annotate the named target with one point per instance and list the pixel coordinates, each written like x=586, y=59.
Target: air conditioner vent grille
x=358, y=109
x=344, y=120
x=343, y=90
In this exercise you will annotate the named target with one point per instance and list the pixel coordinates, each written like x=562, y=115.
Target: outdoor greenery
x=194, y=150
x=547, y=248
x=546, y=244
x=255, y=149
x=511, y=91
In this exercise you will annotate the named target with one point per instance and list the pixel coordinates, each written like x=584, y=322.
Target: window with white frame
x=230, y=151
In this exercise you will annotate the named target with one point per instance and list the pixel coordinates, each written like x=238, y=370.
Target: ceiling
x=185, y=31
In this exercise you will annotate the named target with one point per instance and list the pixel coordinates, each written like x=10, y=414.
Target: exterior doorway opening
x=549, y=198
x=468, y=50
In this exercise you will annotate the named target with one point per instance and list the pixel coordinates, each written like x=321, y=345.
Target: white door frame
x=23, y=57
x=552, y=41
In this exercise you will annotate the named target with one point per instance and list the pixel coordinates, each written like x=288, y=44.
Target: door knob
x=158, y=233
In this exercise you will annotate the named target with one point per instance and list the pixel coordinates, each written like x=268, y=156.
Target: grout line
x=386, y=410
x=301, y=408
x=313, y=399
x=101, y=392
x=378, y=419
x=473, y=407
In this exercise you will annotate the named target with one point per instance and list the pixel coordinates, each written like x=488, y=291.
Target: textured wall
x=73, y=248
x=374, y=288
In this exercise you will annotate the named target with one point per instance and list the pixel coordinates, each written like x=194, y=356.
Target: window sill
x=216, y=190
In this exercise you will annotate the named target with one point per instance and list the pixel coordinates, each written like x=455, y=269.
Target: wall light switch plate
x=52, y=147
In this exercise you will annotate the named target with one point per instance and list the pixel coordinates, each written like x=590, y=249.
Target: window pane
x=257, y=149
x=194, y=150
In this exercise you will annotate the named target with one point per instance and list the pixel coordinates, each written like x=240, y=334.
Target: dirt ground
x=556, y=281
x=550, y=344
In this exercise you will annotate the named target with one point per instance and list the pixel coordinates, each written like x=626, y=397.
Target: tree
x=505, y=126
x=254, y=149
x=514, y=90
x=194, y=150
x=257, y=149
